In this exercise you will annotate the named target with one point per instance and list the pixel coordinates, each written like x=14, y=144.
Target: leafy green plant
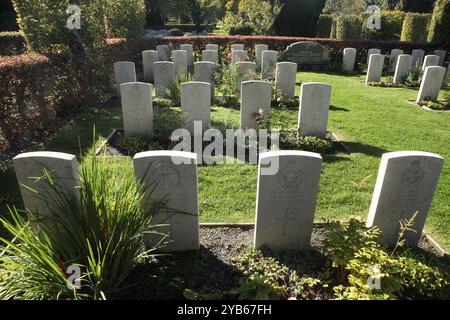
x=226, y=77
x=100, y=231
x=359, y=258
x=413, y=78
x=437, y=105
x=294, y=140
x=267, y=277
x=345, y=239
x=133, y=145
x=173, y=92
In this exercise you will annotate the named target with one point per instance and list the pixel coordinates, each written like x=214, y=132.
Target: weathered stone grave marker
x=137, y=109
x=286, y=200
x=171, y=175
x=314, y=109
x=405, y=185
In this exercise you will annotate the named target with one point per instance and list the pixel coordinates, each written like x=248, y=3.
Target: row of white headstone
x=137, y=106
x=434, y=75
x=163, y=73
x=285, y=202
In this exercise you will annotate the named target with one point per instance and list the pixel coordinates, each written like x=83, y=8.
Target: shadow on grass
x=335, y=108
x=357, y=147
x=200, y=271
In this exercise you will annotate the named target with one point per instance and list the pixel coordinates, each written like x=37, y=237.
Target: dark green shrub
x=43, y=24
x=440, y=23
x=348, y=27
x=324, y=26
x=125, y=18
x=247, y=28
x=333, y=29
x=175, y=32
x=419, y=6
x=415, y=26
x=293, y=140
x=11, y=43
x=298, y=17
x=413, y=78
x=391, y=24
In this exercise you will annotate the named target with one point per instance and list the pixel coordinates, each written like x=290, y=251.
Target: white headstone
x=269, y=64
x=417, y=58
x=196, y=104
x=245, y=71
x=286, y=201
x=148, y=58
x=211, y=56
x=370, y=52
x=405, y=185
x=375, y=69
x=137, y=109
x=63, y=171
x=314, y=108
x=171, y=175
x=431, y=83
x=237, y=47
x=164, y=77
x=285, y=79
x=211, y=46
x=190, y=54
x=204, y=72
x=393, y=59
x=403, y=66
x=349, y=59
x=124, y=71
x=255, y=95
x=163, y=52
x=442, y=54
x=180, y=64
x=259, y=48
x=238, y=55
x=430, y=61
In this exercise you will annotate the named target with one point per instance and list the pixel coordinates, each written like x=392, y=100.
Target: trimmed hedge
x=11, y=43
x=36, y=93
x=348, y=27
x=440, y=23
x=123, y=49
x=391, y=24
x=324, y=26
x=415, y=27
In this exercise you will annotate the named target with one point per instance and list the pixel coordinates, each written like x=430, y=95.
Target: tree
x=344, y=7
x=298, y=17
x=440, y=23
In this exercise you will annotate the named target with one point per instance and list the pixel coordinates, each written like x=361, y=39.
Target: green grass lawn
x=370, y=120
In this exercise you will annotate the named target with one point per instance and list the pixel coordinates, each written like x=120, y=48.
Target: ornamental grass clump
x=88, y=245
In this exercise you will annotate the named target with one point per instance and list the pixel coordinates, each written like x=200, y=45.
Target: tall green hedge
x=298, y=17
x=348, y=27
x=333, y=29
x=440, y=23
x=324, y=25
x=415, y=27
x=126, y=18
x=43, y=24
x=391, y=24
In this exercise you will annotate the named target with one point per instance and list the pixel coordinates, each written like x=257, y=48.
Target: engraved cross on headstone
x=285, y=218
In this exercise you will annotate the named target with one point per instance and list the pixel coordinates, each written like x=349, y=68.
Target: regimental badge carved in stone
x=413, y=175
x=166, y=175
x=290, y=176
